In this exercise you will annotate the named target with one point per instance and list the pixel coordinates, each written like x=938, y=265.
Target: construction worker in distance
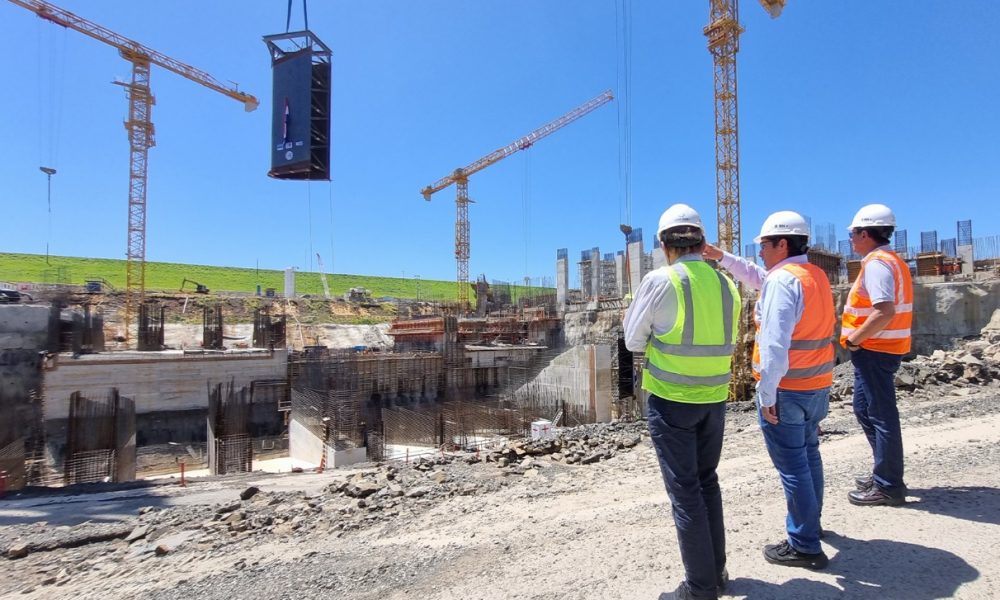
x=793, y=360
x=876, y=329
x=685, y=317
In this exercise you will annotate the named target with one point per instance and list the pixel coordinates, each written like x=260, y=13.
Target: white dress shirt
x=653, y=308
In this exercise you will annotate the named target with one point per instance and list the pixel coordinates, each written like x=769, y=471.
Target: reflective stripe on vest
x=691, y=361
x=810, y=353
x=895, y=337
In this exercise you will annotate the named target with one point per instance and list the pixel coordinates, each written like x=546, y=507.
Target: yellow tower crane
x=460, y=177
x=139, y=126
x=723, y=33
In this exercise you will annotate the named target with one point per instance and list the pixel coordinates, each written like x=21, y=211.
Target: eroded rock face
x=952, y=310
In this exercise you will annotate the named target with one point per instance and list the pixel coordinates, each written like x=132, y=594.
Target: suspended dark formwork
x=300, y=112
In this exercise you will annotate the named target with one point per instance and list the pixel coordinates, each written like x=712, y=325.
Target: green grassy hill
x=168, y=277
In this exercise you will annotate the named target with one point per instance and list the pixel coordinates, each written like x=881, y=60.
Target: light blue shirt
x=654, y=307
x=778, y=310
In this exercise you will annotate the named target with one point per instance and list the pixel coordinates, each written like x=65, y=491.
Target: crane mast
x=460, y=177
x=139, y=126
x=723, y=33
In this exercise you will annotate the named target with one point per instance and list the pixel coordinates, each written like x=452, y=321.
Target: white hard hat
x=783, y=222
x=678, y=215
x=873, y=215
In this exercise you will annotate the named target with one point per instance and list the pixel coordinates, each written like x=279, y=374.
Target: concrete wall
x=160, y=381
x=24, y=333
x=302, y=444
x=581, y=376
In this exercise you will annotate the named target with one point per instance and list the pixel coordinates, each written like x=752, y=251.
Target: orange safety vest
x=810, y=355
x=895, y=337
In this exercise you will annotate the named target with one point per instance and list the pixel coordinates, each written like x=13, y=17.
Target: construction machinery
x=139, y=126
x=723, y=33
x=460, y=177
x=198, y=288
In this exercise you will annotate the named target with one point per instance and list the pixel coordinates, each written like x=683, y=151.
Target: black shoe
x=722, y=583
x=783, y=554
x=874, y=497
x=683, y=592
x=864, y=482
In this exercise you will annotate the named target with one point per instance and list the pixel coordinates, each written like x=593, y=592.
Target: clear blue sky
x=841, y=104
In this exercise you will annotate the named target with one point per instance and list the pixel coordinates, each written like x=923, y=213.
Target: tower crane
x=139, y=126
x=460, y=177
x=723, y=33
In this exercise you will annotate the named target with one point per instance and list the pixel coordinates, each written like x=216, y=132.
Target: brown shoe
x=874, y=497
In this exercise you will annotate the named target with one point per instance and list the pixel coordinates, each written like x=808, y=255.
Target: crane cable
x=526, y=211
x=305, y=15
x=50, y=100
x=623, y=79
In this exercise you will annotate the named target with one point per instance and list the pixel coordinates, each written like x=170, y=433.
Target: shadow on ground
x=979, y=504
x=871, y=569
x=97, y=503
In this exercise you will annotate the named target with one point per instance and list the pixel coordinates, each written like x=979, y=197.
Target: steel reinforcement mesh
x=90, y=466
x=233, y=454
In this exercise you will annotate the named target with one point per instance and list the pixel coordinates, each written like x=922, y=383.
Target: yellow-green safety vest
x=691, y=362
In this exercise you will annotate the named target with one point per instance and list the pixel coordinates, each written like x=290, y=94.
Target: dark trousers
x=688, y=442
x=875, y=408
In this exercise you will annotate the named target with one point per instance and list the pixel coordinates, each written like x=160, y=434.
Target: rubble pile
x=968, y=367
x=584, y=445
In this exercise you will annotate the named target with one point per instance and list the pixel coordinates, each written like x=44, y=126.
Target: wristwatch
x=851, y=344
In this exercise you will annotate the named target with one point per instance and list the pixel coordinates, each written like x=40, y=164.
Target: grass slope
x=33, y=268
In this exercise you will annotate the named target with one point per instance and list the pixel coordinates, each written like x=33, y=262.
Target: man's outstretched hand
x=712, y=252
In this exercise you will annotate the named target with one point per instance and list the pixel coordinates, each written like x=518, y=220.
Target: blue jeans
x=794, y=448
x=875, y=408
x=688, y=443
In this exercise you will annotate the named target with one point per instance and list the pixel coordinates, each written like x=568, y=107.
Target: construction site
x=271, y=442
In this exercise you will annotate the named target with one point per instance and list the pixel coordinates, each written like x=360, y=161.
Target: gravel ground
x=539, y=528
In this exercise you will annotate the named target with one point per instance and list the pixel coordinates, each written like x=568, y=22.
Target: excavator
x=198, y=288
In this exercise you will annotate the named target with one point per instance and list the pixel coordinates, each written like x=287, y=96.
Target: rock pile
x=966, y=368
x=584, y=445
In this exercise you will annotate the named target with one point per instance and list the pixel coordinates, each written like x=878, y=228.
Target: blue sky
x=841, y=104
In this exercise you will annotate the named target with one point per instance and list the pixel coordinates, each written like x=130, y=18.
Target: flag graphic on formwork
x=288, y=117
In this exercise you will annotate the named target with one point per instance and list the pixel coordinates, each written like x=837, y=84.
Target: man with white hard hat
x=875, y=327
x=685, y=317
x=793, y=359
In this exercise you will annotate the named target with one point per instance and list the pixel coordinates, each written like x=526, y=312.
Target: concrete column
x=965, y=254
x=620, y=274
x=595, y=272
x=635, y=254
x=562, y=277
